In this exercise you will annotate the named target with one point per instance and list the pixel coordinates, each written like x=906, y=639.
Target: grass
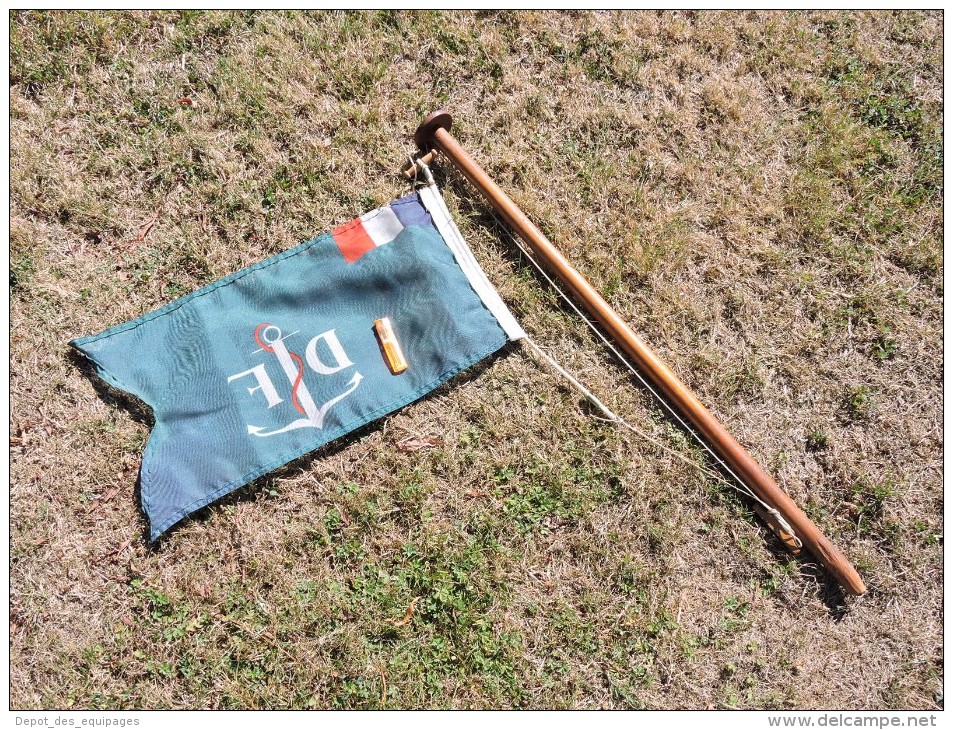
x=760, y=194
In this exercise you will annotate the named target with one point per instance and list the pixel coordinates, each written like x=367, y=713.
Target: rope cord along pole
x=434, y=133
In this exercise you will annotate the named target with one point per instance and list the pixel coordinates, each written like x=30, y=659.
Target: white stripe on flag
x=433, y=202
x=381, y=225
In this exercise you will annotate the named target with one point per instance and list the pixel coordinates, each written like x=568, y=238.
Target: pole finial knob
x=439, y=119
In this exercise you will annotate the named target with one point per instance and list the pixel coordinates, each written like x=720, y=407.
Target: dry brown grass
x=758, y=193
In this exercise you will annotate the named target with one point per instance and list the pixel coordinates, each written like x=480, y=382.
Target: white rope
x=610, y=415
x=586, y=393
x=738, y=484
x=420, y=166
x=613, y=417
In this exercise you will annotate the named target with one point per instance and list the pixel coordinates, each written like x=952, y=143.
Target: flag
x=282, y=357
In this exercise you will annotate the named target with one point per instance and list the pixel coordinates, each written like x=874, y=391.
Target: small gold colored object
x=390, y=347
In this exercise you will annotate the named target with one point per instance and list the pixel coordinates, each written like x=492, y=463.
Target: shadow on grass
x=141, y=413
x=828, y=590
x=834, y=597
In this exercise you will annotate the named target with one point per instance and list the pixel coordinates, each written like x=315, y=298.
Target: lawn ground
x=759, y=195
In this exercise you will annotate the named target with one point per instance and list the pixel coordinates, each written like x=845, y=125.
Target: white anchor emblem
x=269, y=339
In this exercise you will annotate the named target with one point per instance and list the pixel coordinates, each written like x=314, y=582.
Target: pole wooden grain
x=434, y=133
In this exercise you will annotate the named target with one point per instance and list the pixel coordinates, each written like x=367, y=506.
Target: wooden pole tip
x=434, y=121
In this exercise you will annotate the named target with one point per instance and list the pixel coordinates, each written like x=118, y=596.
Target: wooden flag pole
x=434, y=132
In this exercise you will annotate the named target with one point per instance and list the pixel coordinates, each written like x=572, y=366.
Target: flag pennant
x=284, y=356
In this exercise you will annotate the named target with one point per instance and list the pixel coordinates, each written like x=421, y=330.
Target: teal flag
x=275, y=360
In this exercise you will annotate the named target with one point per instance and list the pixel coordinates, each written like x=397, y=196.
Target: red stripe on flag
x=353, y=240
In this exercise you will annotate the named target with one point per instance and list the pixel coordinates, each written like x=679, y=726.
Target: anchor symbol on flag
x=269, y=339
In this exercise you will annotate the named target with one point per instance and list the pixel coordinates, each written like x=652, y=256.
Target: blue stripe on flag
x=411, y=212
